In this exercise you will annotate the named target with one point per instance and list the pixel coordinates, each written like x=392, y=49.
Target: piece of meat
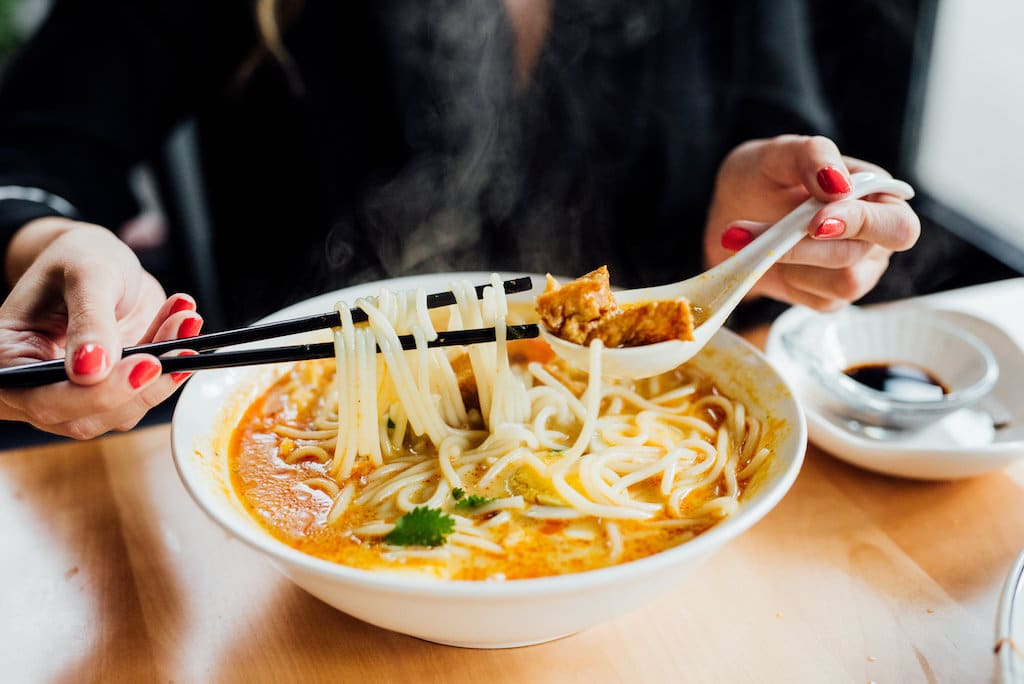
x=572, y=311
x=645, y=323
x=585, y=309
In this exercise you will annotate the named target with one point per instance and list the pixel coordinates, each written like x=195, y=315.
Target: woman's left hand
x=849, y=240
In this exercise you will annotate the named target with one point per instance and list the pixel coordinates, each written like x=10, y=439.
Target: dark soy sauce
x=903, y=381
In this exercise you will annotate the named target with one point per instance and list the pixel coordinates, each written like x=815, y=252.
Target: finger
x=91, y=293
x=831, y=254
x=181, y=376
x=889, y=223
x=176, y=303
x=150, y=396
x=807, y=252
x=739, y=234
x=88, y=427
x=843, y=284
x=57, y=404
x=811, y=161
x=180, y=326
x=774, y=285
x=800, y=297
x=125, y=417
x=164, y=387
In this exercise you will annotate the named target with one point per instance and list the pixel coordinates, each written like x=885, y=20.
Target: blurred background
x=17, y=19
x=936, y=97
x=966, y=134
x=942, y=110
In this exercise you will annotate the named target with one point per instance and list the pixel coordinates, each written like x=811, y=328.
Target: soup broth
x=675, y=448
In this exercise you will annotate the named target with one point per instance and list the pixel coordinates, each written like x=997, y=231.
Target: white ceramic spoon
x=716, y=291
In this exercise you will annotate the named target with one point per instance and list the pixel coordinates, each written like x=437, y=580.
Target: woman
x=353, y=141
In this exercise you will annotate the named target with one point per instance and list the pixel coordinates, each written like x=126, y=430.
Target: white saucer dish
x=945, y=368
x=465, y=613
x=971, y=441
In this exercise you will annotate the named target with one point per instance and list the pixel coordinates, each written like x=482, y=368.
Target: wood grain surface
x=110, y=573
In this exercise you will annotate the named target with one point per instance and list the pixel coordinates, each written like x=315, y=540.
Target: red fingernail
x=833, y=181
x=830, y=228
x=181, y=304
x=181, y=375
x=89, y=359
x=143, y=373
x=190, y=327
x=736, y=238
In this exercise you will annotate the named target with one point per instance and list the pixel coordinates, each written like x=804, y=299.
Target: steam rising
x=500, y=175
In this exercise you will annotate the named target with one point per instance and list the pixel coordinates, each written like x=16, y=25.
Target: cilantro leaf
x=463, y=502
x=421, y=527
x=471, y=501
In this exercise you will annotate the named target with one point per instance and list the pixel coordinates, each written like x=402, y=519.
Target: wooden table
x=111, y=573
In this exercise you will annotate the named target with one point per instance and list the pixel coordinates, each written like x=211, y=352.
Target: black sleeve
x=97, y=89
x=769, y=80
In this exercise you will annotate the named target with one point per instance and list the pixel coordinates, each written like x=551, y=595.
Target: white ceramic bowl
x=464, y=613
x=828, y=344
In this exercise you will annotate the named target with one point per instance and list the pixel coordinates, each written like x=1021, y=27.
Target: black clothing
x=406, y=145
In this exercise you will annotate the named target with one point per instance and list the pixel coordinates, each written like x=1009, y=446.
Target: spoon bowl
x=716, y=292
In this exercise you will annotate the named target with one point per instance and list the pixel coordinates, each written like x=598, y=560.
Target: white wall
x=972, y=142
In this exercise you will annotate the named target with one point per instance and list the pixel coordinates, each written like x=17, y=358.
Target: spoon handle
x=747, y=266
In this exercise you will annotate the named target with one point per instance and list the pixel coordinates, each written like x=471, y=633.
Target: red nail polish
x=181, y=375
x=190, y=327
x=181, y=304
x=833, y=181
x=143, y=373
x=830, y=228
x=736, y=238
x=89, y=359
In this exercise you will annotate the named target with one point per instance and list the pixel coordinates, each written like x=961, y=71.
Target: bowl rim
x=864, y=397
x=768, y=495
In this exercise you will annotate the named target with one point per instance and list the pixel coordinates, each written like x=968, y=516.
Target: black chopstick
x=37, y=374
x=253, y=333
x=264, y=331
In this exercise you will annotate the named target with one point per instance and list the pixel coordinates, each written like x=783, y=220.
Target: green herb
x=472, y=501
x=421, y=527
x=463, y=502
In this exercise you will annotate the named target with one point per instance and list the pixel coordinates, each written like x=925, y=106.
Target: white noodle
x=341, y=502
x=398, y=428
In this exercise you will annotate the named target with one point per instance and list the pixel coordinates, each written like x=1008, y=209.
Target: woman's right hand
x=80, y=293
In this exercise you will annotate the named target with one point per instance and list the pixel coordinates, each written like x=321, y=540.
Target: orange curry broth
x=270, y=490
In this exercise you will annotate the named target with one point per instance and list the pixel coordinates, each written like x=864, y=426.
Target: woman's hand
x=849, y=241
x=80, y=293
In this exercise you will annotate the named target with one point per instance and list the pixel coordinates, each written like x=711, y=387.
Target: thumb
x=93, y=344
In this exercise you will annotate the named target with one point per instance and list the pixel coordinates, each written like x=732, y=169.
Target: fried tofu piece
x=585, y=310
x=573, y=310
x=645, y=323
